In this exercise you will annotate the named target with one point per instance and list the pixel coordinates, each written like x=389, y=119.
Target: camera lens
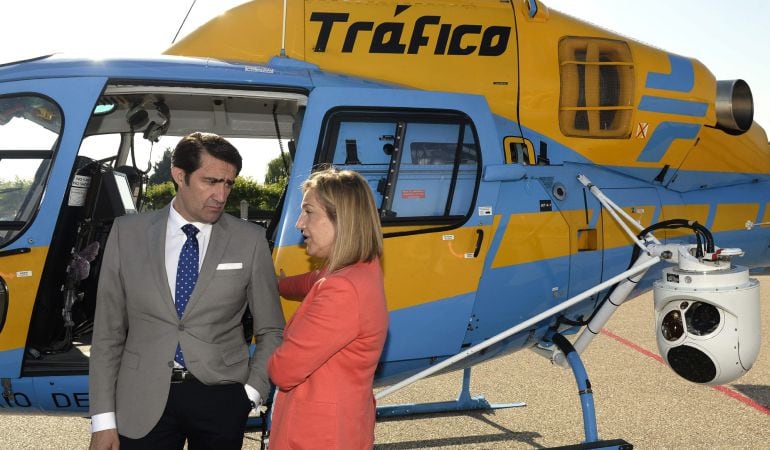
x=702, y=318
x=672, y=327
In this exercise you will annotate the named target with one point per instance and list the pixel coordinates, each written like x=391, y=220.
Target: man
x=169, y=361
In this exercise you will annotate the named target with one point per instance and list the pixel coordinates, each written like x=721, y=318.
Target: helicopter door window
x=438, y=177
x=29, y=129
x=365, y=147
x=420, y=168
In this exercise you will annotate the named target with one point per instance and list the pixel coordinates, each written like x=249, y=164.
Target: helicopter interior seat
x=111, y=195
x=71, y=236
x=97, y=194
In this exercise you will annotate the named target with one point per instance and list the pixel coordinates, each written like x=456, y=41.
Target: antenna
x=283, y=31
x=183, y=21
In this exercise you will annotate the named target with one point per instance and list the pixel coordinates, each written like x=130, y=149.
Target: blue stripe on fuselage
x=673, y=106
x=680, y=79
x=664, y=135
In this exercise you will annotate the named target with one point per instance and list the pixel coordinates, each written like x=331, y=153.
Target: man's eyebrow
x=219, y=180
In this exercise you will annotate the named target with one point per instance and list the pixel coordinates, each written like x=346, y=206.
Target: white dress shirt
x=175, y=239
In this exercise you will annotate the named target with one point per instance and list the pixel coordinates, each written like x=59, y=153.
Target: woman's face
x=316, y=227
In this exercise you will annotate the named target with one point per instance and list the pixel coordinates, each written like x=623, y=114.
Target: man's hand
x=105, y=440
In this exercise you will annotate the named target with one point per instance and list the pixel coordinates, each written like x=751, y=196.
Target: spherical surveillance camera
x=708, y=327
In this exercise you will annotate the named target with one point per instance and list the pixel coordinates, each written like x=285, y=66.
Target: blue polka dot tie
x=186, y=276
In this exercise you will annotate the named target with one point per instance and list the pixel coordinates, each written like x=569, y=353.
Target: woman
x=325, y=367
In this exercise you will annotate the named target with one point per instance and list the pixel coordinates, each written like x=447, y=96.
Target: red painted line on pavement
x=725, y=390
x=630, y=344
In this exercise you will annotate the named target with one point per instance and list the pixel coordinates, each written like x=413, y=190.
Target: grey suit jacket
x=136, y=328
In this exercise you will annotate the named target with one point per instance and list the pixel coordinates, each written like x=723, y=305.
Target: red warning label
x=413, y=193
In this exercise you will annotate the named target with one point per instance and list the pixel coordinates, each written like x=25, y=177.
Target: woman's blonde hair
x=348, y=201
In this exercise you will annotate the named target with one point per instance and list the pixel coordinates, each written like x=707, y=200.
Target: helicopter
x=514, y=181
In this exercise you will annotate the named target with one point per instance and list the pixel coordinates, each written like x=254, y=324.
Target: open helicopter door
x=421, y=153
x=39, y=151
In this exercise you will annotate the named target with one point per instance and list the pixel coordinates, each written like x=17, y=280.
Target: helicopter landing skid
x=464, y=402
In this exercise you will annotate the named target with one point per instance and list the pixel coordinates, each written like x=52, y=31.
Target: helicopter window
x=597, y=84
x=420, y=168
x=29, y=130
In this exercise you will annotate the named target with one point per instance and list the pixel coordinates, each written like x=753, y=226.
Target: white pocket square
x=230, y=266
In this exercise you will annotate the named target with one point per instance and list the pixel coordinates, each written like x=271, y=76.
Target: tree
x=158, y=195
x=262, y=199
x=12, y=194
x=276, y=171
x=161, y=170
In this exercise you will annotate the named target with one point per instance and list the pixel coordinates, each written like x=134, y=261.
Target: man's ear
x=177, y=174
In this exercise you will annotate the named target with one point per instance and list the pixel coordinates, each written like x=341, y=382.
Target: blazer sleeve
x=110, y=329
x=327, y=324
x=298, y=286
x=266, y=311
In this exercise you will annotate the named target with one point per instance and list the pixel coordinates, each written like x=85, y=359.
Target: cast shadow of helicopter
x=758, y=393
x=528, y=438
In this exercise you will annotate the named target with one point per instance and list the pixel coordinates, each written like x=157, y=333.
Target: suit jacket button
x=181, y=327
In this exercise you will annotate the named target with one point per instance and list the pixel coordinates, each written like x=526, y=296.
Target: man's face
x=203, y=198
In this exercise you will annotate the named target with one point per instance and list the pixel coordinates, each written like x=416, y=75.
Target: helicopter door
x=37, y=154
x=527, y=270
x=421, y=153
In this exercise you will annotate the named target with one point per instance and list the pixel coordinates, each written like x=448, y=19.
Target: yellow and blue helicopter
x=520, y=158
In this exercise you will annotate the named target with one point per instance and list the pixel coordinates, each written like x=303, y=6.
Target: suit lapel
x=156, y=240
x=214, y=253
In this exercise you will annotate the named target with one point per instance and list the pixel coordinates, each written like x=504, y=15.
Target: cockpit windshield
x=29, y=130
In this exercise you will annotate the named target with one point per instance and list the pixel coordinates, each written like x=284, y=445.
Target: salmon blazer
x=325, y=368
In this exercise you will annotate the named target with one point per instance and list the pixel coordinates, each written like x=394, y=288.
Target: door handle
x=479, y=240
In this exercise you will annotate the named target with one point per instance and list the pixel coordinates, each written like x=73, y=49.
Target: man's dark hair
x=187, y=154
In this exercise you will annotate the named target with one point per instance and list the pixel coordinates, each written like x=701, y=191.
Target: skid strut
x=586, y=400
x=584, y=386
x=464, y=402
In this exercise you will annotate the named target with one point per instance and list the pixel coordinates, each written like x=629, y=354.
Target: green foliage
x=158, y=195
x=161, y=170
x=12, y=194
x=262, y=198
x=276, y=171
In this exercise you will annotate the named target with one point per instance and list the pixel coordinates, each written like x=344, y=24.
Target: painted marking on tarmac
x=724, y=390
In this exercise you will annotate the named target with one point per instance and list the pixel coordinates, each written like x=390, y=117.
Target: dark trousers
x=208, y=417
